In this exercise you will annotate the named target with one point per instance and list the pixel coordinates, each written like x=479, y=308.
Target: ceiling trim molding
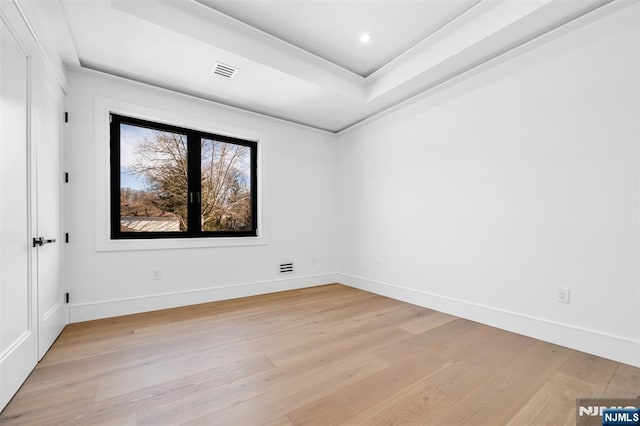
x=207, y=25
x=412, y=49
x=597, y=12
x=88, y=70
x=275, y=38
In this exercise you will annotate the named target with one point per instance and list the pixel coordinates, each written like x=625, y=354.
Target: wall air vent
x=224, y=70
x=286, y=268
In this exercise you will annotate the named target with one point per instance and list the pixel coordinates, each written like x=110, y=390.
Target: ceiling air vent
x=286, y=268
x=224, y=70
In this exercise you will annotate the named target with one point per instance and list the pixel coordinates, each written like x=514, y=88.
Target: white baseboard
x=617, y=348
x=132, y=305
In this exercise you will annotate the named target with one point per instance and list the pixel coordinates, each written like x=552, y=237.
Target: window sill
x=177, y=243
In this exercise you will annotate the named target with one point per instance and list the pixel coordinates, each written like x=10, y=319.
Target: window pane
x=153, y=180
x=226, y=186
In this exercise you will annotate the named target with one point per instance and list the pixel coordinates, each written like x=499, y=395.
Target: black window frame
x=194, y=138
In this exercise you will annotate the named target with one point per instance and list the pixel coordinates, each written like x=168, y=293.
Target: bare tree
x=225, y=182
x=226, y=195
x=162, y=160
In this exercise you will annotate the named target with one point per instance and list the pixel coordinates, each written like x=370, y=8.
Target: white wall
x=299, y=188
x=483, y=198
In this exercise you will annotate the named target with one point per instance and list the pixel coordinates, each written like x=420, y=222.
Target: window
x=172, y=182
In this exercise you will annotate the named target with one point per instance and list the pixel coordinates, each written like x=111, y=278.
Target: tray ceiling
x=302, y=61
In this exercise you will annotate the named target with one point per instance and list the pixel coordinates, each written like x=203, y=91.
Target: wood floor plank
x=130, y=420
x=269, y=405
x=510, y=387
x=625, y=382
x=341, y=406
x=418, y=344
x=427, y=322
x=420, y=403
x=590, y=368
x=46, y=408
x=316, y=356
x=551, y=405
x=283, y=421
x=349, y=336
x=279, y=381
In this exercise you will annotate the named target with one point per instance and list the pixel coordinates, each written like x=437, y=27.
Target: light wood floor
x=319, y=356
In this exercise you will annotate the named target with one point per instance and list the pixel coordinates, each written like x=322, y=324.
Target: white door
x=46, y=138
x=18, y=321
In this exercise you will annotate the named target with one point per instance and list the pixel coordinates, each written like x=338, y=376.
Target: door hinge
x=66, y=117
x=66, y=237
x=66, y=298
x=66, y=177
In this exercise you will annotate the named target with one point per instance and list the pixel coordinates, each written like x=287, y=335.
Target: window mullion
x=194, y=205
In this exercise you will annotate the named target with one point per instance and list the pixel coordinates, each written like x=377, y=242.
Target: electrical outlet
x=314, y=261
x=156, y=275
x=377, y=265
x=564, y=295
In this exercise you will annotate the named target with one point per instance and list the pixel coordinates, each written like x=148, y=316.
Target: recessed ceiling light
x=365, y=37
